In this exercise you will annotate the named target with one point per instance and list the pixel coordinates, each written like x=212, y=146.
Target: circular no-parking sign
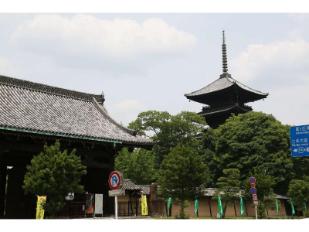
x=115, y=180
x=252, y=180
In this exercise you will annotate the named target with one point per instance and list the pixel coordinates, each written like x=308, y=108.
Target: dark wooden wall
x=16, y=152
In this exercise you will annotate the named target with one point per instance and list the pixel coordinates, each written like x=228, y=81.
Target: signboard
x=116, y=192
x=144, y=206
x=89, y=209
x=115, y=180
x=254, y=197
x=69, y=197
x=41, y=200
x=252, y=180
x=253, y=190
x=98, y=206
x=299, y=136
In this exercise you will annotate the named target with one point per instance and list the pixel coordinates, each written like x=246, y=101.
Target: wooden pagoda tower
x=224, y=96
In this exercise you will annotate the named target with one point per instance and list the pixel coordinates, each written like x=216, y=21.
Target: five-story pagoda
x=225, y=96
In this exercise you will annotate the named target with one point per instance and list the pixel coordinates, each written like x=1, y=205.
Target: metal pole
x=116, y=207
x=256, y=216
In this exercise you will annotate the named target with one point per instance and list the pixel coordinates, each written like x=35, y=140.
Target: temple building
x=32, y=115
x=224, y=96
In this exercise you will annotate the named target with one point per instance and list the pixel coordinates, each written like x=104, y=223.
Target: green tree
x=182, y=172
x=251, y=140
x=139, y=165
x=54, y=173
x=299, y=192
x=168, y=130
x=229, y=187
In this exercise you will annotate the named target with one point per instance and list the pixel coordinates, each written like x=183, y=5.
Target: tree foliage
x=139, y=165
x=168, y=130
x=299, y=192
x=264, y=184
x=182, y=172
x=54, y=173
x=252, y=140
x=229, y=187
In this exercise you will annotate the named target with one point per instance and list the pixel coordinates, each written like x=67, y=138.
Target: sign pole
x=116, y=207
x=253, y=191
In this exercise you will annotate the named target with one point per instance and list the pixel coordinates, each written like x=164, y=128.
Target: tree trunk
x=182, y=205
x=235, y=209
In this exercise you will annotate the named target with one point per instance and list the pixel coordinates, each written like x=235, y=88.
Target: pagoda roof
x=225, y=88
x=223, y=83
x=29, y=107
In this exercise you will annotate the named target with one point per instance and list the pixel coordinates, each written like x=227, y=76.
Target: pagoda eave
x=231, y=109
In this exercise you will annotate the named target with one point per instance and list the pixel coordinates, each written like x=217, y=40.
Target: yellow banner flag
x=41, y=200
x=144, y=205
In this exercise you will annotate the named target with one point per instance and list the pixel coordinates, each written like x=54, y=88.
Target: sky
x=149, y=61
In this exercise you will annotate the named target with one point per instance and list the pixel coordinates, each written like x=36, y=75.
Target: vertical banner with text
x=40, y=205
x=144, y=206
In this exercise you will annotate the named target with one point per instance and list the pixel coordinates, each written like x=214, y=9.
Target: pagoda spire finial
x=224, y=57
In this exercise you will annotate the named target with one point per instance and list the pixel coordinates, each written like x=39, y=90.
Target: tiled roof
x=129, y=185
x=36, y=108
x=210, y=192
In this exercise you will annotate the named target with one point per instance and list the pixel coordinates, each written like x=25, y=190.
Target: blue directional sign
x=299, y=136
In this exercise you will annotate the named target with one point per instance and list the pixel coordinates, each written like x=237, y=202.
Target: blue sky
x=149, y=61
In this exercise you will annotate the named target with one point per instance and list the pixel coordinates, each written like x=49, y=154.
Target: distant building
x=225, y=96
x=33, y=114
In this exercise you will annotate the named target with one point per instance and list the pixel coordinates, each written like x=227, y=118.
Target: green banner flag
x=292, y=207
x=169, y=206
x=196, y=207
x=277, y=206
x=242, y=207
x=220, y=208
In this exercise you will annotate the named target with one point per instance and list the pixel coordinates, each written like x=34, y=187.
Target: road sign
x=254, y=197
x=116, y=192
x=253, y=190
x=115, y=180
x=299, y=138
x=252, y=180
x=115, y=183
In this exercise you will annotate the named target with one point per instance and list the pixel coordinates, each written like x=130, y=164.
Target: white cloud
x=277, y=61
x=282, y=69
x=86, y=36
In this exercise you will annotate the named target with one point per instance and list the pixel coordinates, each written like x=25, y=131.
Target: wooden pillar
x=3, y=174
